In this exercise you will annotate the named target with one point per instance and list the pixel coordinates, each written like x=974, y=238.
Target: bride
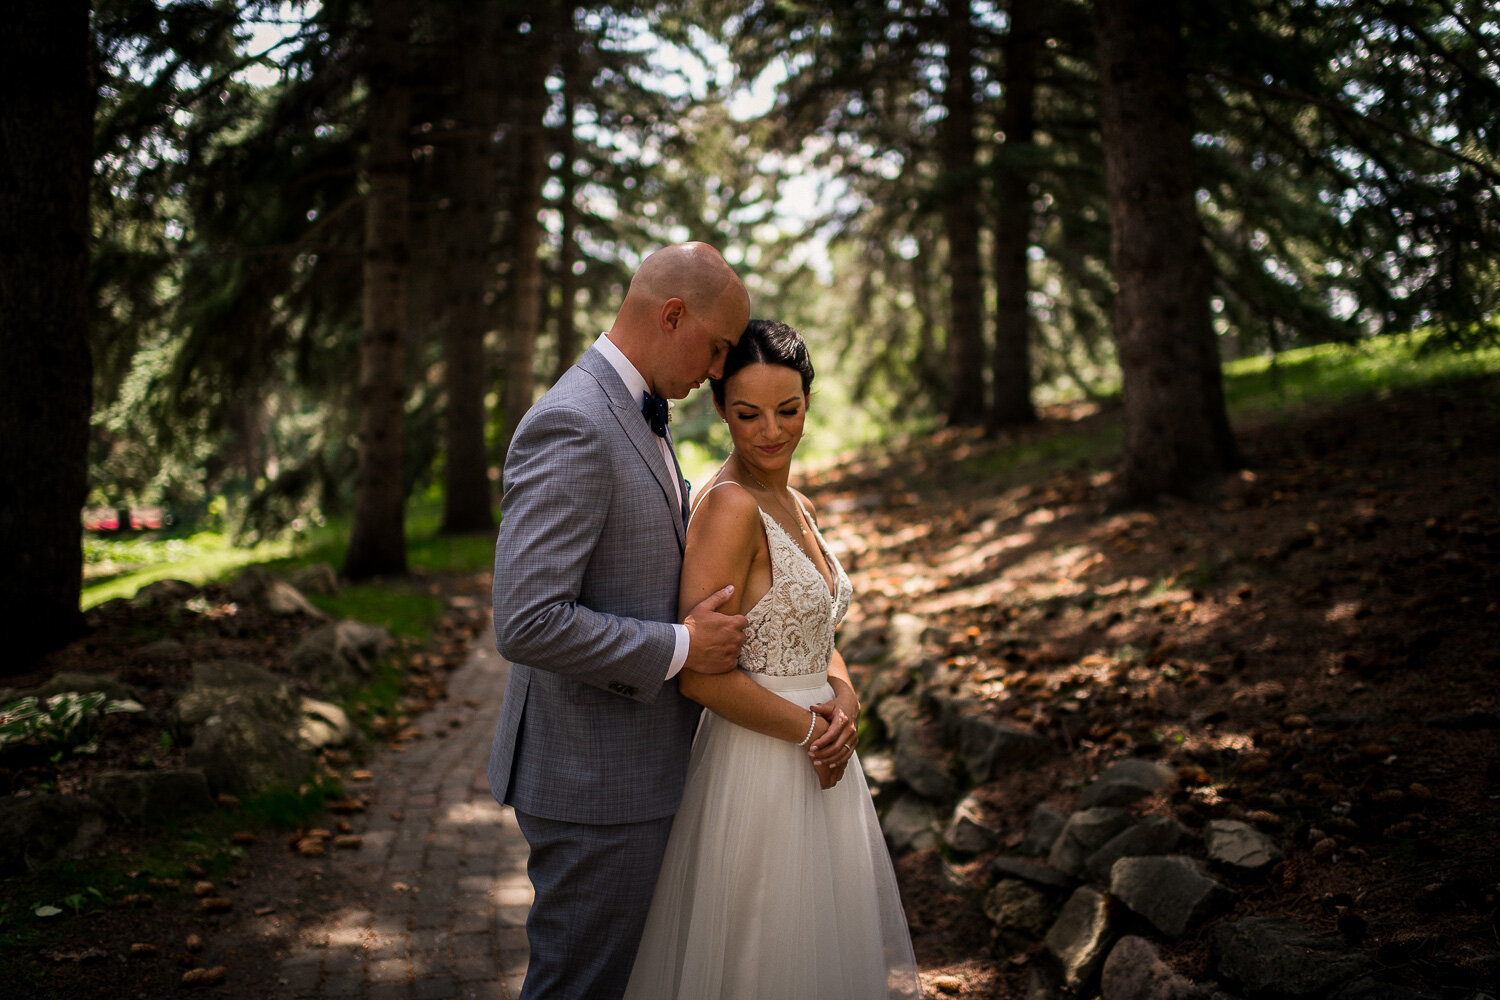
x=776, y=882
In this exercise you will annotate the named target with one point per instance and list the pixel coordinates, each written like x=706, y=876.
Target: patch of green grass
x=285, y=808
x=380, y=698
x=396, y=605
x=210, y=556
x=1333, y=373
x=200, y=559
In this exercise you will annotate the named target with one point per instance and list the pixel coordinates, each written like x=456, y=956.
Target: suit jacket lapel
x=627, y=412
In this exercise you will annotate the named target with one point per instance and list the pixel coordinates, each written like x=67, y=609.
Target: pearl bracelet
x=810, y=727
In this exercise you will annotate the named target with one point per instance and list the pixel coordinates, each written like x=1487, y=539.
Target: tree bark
x=46, y=158
x=1010, y=367
x=535, y=51
x=467, y=504
x=1177, y=431
x=567, y=281
x=961, y=215
x=377, y=542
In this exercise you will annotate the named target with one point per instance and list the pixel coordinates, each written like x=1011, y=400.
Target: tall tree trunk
x=1176, y=428
x=46, y=157
x=567, y=281
x=535, y=51
x=377, y=542
x=961, y=215
x=467, y=504
x=1011, y=361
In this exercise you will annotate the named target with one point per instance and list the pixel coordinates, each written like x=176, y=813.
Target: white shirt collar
x=634, y=381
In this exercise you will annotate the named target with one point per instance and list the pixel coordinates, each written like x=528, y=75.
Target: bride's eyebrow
x=746, y=402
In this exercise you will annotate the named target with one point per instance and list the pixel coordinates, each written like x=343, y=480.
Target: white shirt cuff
x=679, y=654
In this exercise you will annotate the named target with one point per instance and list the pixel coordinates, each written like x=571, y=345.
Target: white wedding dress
x=773, y=889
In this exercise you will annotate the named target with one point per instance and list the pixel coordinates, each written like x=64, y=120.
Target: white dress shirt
x=636, y=383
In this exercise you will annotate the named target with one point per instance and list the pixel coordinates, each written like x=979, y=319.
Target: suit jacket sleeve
x=551, y=610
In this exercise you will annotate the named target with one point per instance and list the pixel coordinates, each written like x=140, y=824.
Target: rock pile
x=245, y=728
x=1091, y=892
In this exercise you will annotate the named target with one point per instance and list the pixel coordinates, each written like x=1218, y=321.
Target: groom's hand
x=714, y=639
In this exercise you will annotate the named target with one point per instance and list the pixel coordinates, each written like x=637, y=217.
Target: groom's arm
x=558, y=491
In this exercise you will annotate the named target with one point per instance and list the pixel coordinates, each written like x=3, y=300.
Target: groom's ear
x=672, y=312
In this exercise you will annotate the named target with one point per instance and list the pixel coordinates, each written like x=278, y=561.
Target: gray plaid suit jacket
x=586, y=575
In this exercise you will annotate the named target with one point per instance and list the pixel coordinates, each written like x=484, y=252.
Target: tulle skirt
x=773, y=889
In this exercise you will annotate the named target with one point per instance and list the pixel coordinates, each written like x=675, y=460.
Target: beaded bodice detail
x=790, y=630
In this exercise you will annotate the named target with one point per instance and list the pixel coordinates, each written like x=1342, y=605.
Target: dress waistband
x=796, y=682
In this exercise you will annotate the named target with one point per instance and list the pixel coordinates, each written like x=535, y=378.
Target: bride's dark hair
x=767, y=342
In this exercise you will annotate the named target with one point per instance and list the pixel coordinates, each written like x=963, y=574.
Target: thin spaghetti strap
x=699, y=501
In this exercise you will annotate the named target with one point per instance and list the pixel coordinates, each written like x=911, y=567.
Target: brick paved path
x=441, y=873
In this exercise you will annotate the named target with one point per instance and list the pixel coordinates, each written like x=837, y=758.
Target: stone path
x=440, y=880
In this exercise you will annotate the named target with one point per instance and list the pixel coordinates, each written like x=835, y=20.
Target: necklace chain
x=797, y=508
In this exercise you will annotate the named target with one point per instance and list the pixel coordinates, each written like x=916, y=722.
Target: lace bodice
x=790, y=630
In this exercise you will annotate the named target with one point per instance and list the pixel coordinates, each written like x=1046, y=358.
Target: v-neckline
x=830, y=581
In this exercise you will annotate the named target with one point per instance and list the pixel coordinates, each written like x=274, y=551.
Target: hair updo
x=770, y=343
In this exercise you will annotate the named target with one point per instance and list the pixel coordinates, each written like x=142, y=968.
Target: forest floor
x=1285, y=642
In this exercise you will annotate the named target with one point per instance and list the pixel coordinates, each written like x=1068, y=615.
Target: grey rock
x=324, y=724
x=1267, y=957
x=1155, y=835
x=1019, y=911
x=241, y=752
x=1125, y=782
x=1080, y=938
x=966, y=832
x=143, y=796
x=986, y=744
x=318, y=578
x=866, y=644
x=921, y=766
x=219, y=684
x=258, y=587
x=910, y=824
x=879, y=769
x=1239, y=845
x=163, y=592
x=73, y=680
x=339, y=656
x=1169, y=892
x=38, y=829
x=1083, y=834
x=1030, y=871
x=1046, y=826
x=895, y=712
x=906, y=641
x=1134, y=971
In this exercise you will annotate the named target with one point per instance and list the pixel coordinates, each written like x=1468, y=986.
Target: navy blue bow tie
x=654, y=409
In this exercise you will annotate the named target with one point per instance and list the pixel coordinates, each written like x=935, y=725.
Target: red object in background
x=108, y=518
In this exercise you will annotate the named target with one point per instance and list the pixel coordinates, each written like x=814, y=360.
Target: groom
x=592, y=745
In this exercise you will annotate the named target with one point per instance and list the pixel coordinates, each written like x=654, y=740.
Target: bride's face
x=765, y=409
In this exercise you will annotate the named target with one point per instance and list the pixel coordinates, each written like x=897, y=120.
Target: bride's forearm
x=843, y=686
x=738, y=699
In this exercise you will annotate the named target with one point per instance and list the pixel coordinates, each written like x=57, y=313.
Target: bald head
x=693, y=272
x=684, y=309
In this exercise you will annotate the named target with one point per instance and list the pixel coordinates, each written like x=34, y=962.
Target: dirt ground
x=1313, y=647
